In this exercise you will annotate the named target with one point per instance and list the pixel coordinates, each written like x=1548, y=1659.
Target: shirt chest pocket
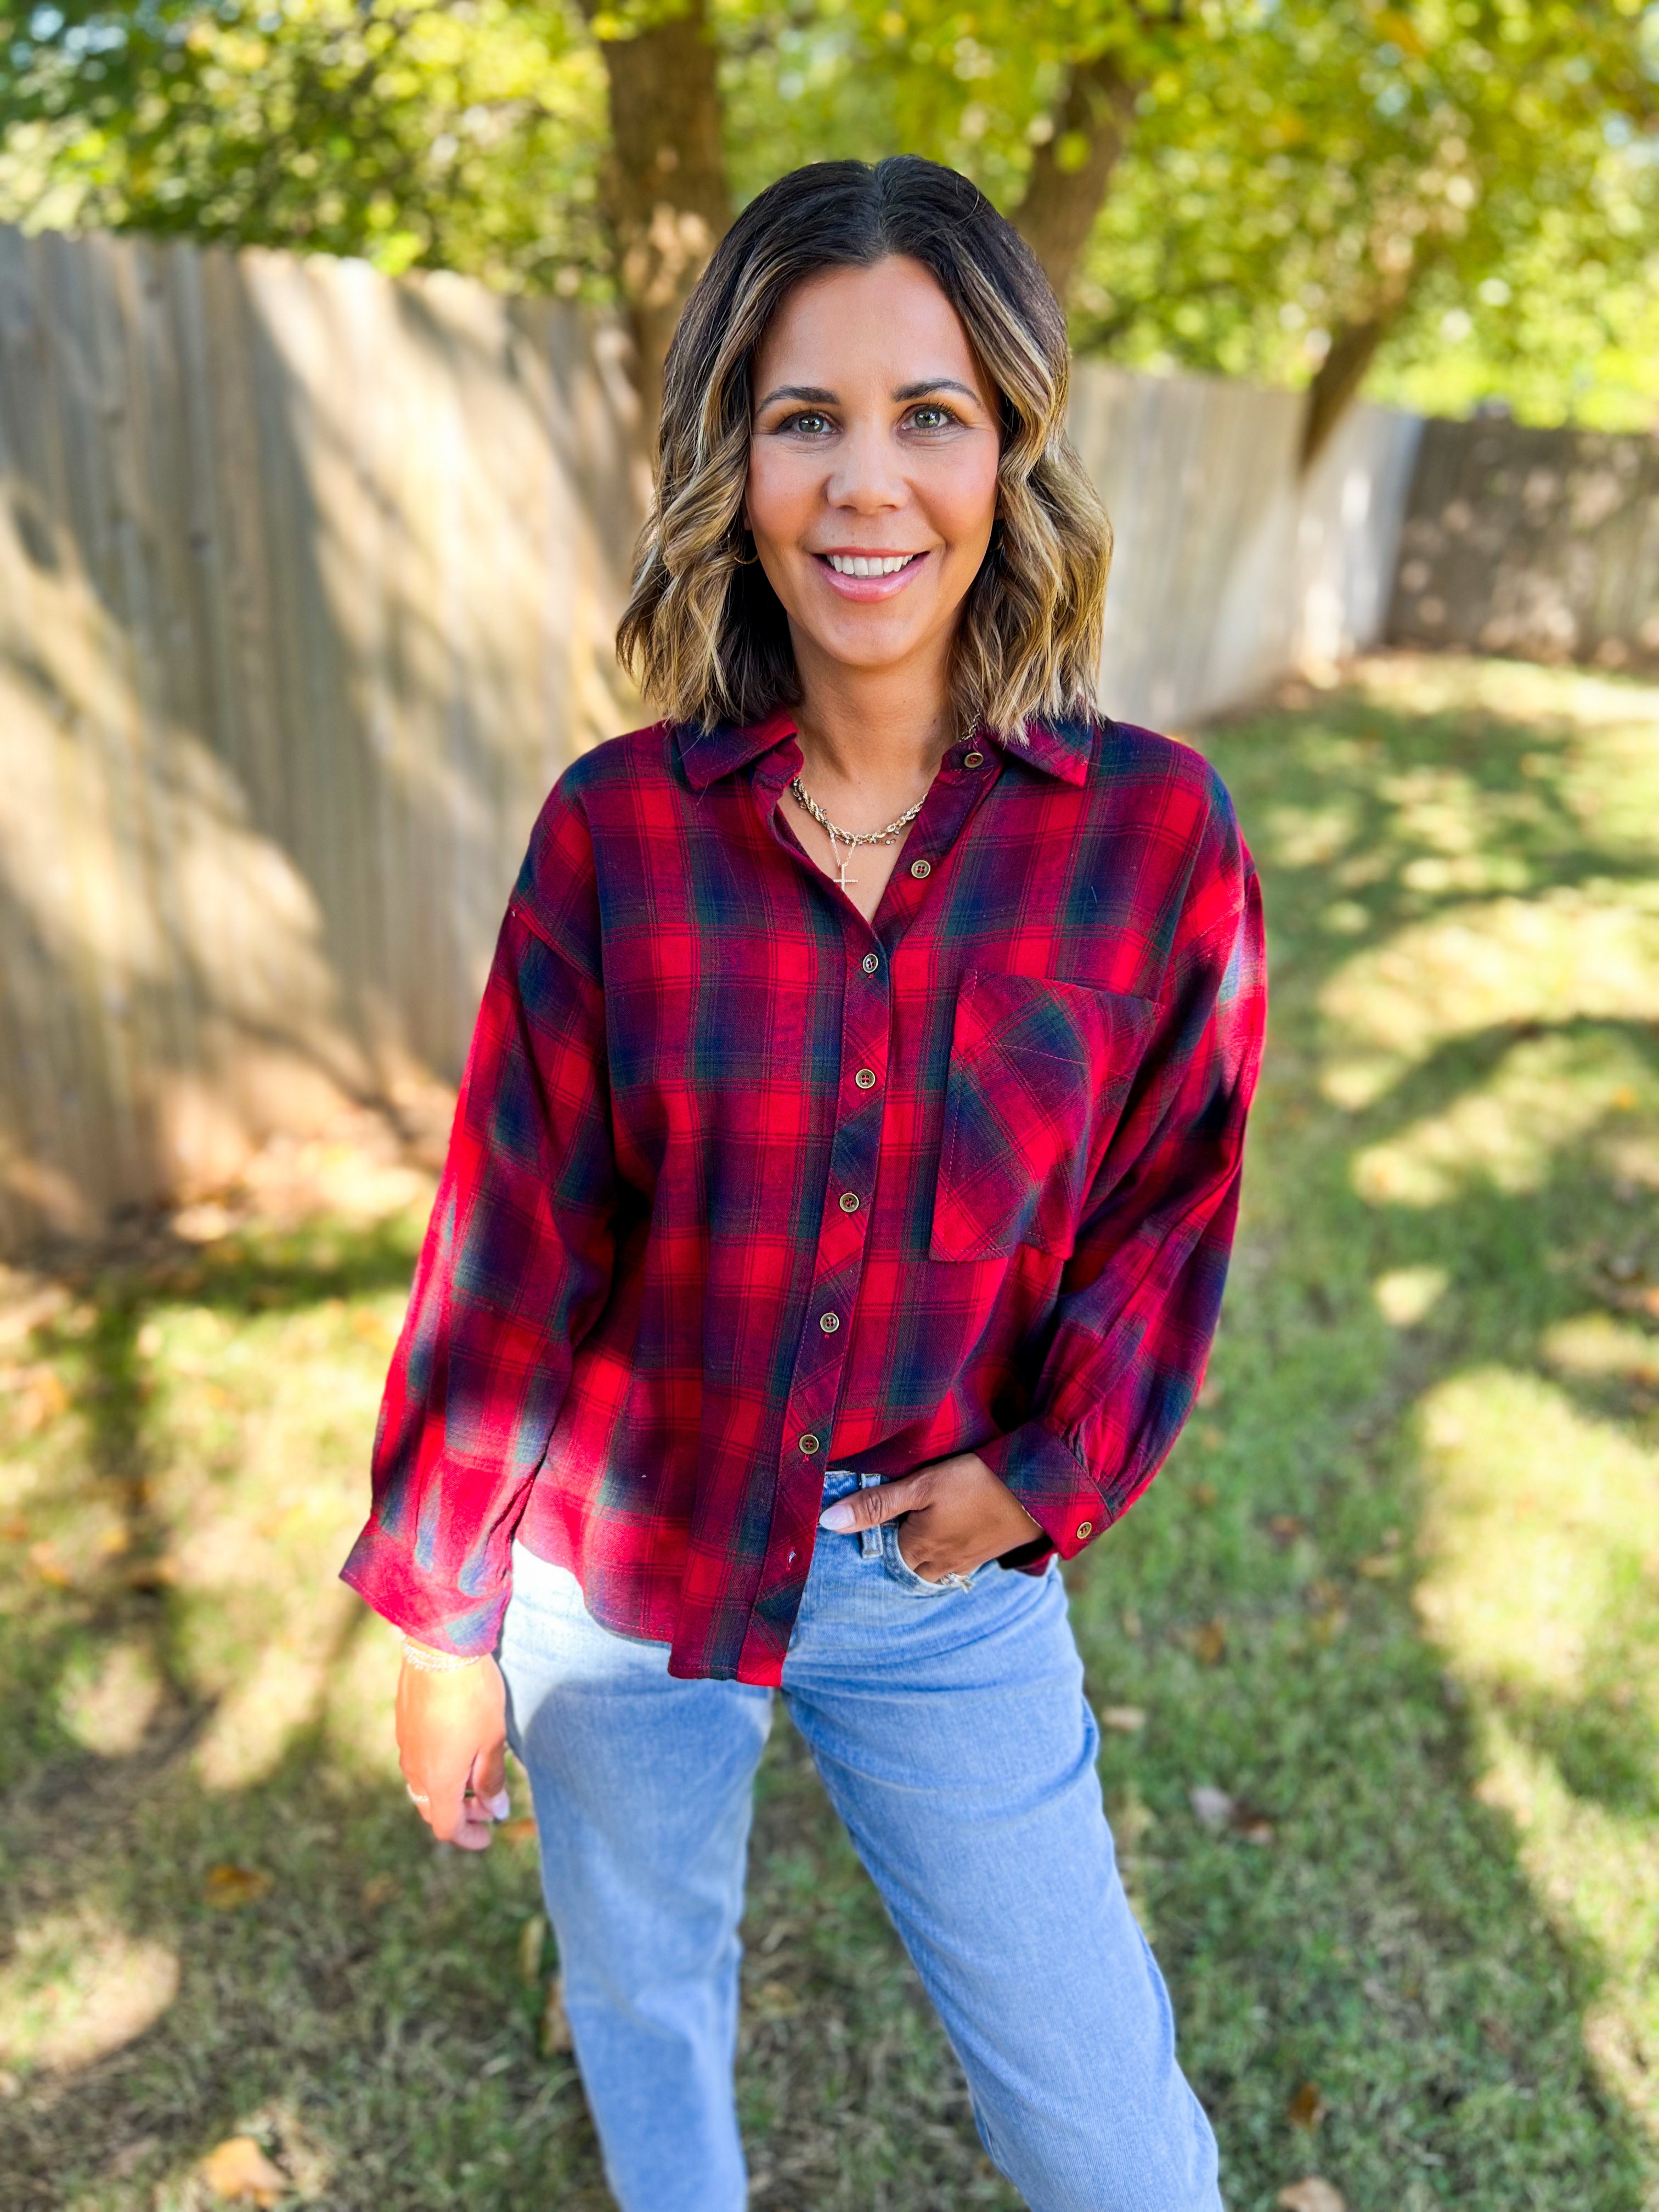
x=1038, y=1077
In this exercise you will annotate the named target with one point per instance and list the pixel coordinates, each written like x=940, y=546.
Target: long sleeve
x=515, y=1267
x=1140, y=1293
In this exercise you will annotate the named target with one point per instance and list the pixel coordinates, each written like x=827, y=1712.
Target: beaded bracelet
x=426, y=1661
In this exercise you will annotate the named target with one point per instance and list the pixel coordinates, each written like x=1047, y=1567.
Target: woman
x=835, y=1217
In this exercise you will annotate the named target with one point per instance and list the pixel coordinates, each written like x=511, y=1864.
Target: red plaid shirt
x=742, y=1187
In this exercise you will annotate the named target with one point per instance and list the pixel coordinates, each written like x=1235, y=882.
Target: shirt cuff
x=1050, y=1482
x=385, y=1577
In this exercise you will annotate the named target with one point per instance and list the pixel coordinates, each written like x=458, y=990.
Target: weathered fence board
x=307, y=587
x=1542, y=543
x=1230, y=567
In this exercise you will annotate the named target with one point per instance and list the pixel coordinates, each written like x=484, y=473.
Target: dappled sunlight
x=1540, y=1542
x=1519, y=691
x=77, y=1987
x=1406, y=1296
x=108, y=1698
x=1545, y=1093
x=1573, y=954
x=1596, y=1345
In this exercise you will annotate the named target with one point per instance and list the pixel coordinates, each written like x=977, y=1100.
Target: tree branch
x=1071, y=172
x=663, y=187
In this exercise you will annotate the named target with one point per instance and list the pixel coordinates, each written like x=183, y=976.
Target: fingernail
x=500, y=1806
x=839, y=1518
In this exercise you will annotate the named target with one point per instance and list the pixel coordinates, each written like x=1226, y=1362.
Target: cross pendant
x=846, y=881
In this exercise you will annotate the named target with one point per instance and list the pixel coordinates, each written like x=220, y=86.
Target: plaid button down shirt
x=742, y=1187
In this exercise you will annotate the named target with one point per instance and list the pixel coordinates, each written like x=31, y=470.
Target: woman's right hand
x=452, y=1746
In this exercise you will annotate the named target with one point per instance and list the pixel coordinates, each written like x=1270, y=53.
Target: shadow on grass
x=1417, y=1964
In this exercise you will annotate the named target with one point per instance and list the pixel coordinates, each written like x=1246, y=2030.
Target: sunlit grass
x=1396, y=1596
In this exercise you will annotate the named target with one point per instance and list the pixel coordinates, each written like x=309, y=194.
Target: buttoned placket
x=861, y=1110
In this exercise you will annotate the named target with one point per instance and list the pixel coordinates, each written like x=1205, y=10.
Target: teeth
x=855, y=564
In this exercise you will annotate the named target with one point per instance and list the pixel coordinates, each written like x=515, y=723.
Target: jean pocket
x=900, y=1571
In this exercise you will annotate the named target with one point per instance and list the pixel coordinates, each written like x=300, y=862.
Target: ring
x=415, y=1796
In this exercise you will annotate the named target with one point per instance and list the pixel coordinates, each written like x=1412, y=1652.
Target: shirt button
x=973, y=760
x=870, y=963
x=865, y=1079
x=792, y=1558
x=809, y=1443
x=919, y=868
x=849, y=1201
x=829, y=1323
x=1084, y=1528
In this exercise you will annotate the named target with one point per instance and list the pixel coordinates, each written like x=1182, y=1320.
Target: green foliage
x=1480, y=175
x=1476, y=175
x=409, y=131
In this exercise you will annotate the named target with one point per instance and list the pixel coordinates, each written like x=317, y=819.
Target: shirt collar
x=1059, y=749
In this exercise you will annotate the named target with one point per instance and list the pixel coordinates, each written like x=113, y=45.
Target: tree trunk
x=664, y=184
x=1337, y=380
x=1069, y=176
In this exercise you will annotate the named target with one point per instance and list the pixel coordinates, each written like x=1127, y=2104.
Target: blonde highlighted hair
x=704, y=634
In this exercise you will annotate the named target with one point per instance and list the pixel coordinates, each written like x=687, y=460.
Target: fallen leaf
x=1128, y=1720
x=239, y=2169
x=47, y=1565
x=519, y=1831
x=1307, y=2108
x=379, y=1889
x=556, y=2025
x=1132, y=1624
x=10, y=2085
x=1379, y=1566
x=15, y=1532
x=1205, y=1494
x=775, y=2000
x=1220, y=1808
x=1312, y=2195
x=1250, y=1822
x=229, y=1888
x=42, y=1397
x=1497, y=2035
x=1650, y=1301
x=1208, y=1434
x=1330, y=1623
x=1210, y=1642
x=1213, y=1807
x=532, y=1941
x=1285, y=1529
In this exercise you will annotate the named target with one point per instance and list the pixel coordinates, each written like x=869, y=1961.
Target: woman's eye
x=930, y=416
x=814, y=426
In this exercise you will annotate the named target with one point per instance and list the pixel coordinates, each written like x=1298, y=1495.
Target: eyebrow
x=818, y=395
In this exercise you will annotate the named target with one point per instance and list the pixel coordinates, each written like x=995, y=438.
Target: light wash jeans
x=950, y=1729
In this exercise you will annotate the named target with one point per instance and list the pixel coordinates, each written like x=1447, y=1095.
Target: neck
x=884, y=729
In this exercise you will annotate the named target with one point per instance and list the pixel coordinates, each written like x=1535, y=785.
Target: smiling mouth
x=873, y=564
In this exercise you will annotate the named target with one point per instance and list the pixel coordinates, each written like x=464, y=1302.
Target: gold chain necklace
x=851, y=838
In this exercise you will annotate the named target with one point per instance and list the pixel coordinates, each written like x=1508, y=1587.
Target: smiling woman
x=826, y=1247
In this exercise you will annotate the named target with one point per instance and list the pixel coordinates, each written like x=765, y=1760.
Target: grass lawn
x=1392, y=1610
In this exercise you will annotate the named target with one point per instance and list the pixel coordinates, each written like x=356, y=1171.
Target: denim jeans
x=950, y=1729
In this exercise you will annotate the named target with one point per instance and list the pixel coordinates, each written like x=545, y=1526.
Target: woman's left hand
x=956, y=1513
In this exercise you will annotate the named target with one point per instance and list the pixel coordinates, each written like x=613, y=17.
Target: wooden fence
x=307, y=586
x=1541, y=543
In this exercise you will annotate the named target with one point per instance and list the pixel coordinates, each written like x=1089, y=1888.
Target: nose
x=866, y=478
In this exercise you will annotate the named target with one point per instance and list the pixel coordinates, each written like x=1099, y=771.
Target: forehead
x=886, y=325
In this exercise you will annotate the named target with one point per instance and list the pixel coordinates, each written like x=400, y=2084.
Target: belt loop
x=870, y=1539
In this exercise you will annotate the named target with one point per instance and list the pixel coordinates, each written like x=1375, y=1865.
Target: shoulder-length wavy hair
x=704, y=634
